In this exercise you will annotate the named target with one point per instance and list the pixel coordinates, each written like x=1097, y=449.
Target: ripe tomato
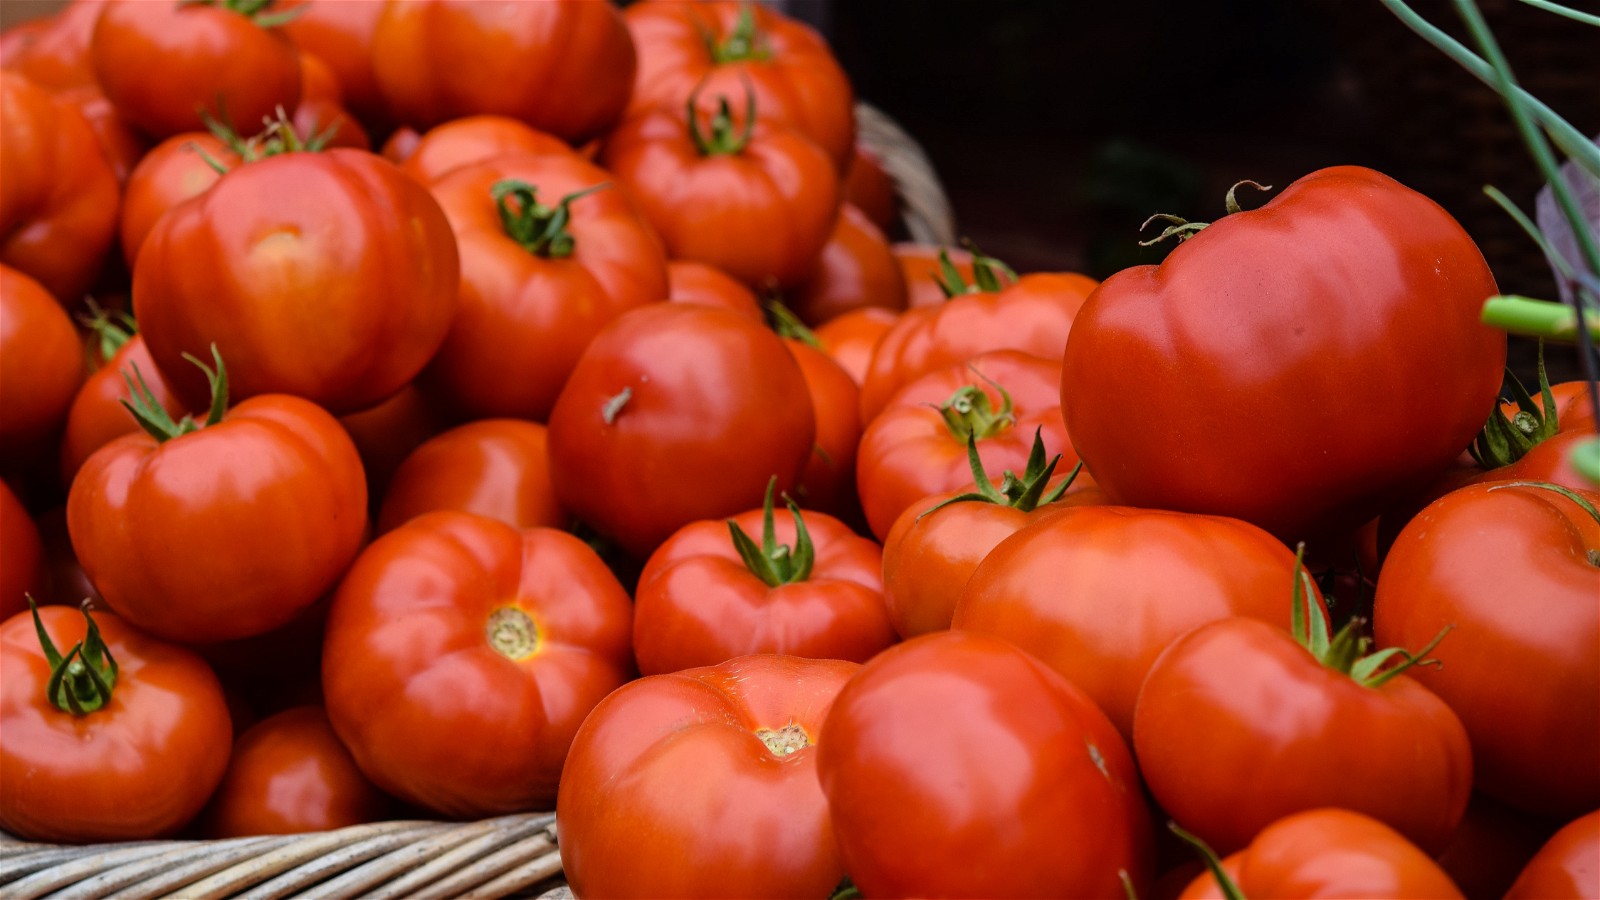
x=386, y=434
x=851, y=338
x=97, y=415
x=677, y=412
x=462, y=654
x=703, y=783
x=723, y=47
x=693, y=282
x=331, y=276
x=1347, y=305
x=957, y=765
x=340, y=35
x=172, y=172
x=1568, y=866
x=870, y=188
x=166, y=64
x=1097, y=592
x=1329, y=853
x=828, y=483
x=550, y=253
x=55, y=53
x=41, y=365
x=474, y=139
x=1513, y=568
x=920, y=265
x=21, y=555
x=498, y=468
x=290, y=775
x=855, y=269
x=140, y=760
x=563, y=66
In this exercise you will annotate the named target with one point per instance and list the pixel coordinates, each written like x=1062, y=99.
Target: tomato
x=1097, y=592
x=869, y=187
x=386, y=434
x=121, y=143
x=828, y=483
x=1329, y=853
x=918, y=445
x=703, y=783
x=1568, y=866
x=56, y=54
x=851, y=338
x=331, y=276
x=705, y=597
x=693, y=282
x=339, y=32
x=1492, y=845
x=756, y=200
x=919, y=264
x=677, y=412
x=1347, y=305
x=328, y=124
x=290, y=775
x=721, y=47
x=97, y=415
x=855, y=269
x=170, y=529
x=498, y=468
x=21, y=555
x=58, y=194
x=166, y=64
x=550, y=253
x=41, y=365
x=564, y=66
x=172, y=172
x=1514, y=569
x=957, y=765
x=1221, y=756
x=474, y=139
x=462, y=654
x=136, y=764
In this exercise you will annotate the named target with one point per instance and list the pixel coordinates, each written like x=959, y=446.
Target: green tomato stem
x=1536, y=318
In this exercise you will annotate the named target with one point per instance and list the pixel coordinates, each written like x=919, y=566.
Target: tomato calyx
x=512, y=633
x=969, y=412
x=277, y=138
x=724, y=139
x=258, y=11
x=108, y=331
x=538, y=229
x=788, y=325
x=1504, y=440
x=1225, y=884
x=745, y=43
x=154, y=418
x=989, y=275
x=1026, y=493
x=1348, y=651
x=784, y=741
x=774, y=563
x=1183, y=229
x=82, y=680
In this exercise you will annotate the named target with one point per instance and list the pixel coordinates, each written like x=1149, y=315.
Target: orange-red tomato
x=855, y=269
x=54, y=51
x=919, y=263
x=387, y=433
x=97, y=415
x=498, y=468
x=339, y=33
x=41, y=365
x=868, y=187
x=172, y=172
x=852, y=338
x=1567, y=866
x=474, y=139
x=21, y=555
x=695, y=282
x=829, y=480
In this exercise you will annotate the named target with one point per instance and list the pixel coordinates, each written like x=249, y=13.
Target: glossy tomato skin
x=474, y=139
x=331, y=276
x=58, y=194
x=855, y=269
x=828, y=483
x=851, y=338
x=498, y=468
x=564, y=67
x=513, y=300
x=172, y=172
x=672, y=789
x=1567, y=866
x=161, y=62
x=1329, y=853
x=290, y=775
x=715, y=407
x=1223, y=759
x=695, y=282
x=1512, y=568
x=386, y=434
x=698, y=604
x=97, y=415
x=171, y=533
x=340, y=34
x=957, y=765
x=1097, y=592
x=1325, y=318
x=54, y=51
x=21, y=555
x=41, y=365
x=462, y=654
x=139, y=767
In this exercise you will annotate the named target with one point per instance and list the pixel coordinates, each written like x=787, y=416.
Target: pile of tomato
x=459, y=408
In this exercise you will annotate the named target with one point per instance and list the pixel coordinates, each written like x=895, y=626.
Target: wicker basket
x=508, y=856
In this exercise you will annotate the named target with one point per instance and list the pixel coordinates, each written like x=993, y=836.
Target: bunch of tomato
x=454, y=408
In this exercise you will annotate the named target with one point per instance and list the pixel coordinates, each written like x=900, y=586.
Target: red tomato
x=462, y=654
x=121, y=143
x=1512, y=567
x=474, y=139
x=828, y=483
x=705, y=597
x=97, y=415
x=550, y=253
x=58, y=194
x=693, y=282
x=386, y=434
x=677, y=412
x=1329, y=853
x=166, y=64
x=331, y=276
x=870, y=188
x=171, y=530
x=855, y=269
x=703, y=783
x=918, y=445
x=757, y=200
x=1097, y=592
x=55, y=53
x=721, y=47
x=851, y=338
x=136, y=765
x=1347, y=305
x=172, y=172
x=562, y=66
x=1568, y=866
x=957, y=765
x=21, y=555
x=290, y=775
x=329, y=125
x=919, y=264
x=41, y=365
x=499, y=468
x=339, y=32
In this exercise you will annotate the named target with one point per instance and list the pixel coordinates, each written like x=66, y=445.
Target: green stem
x=723, y=140
x=788, y=325
x=745, y=42
x=110, y=331
x=81, y=681
x=151, y=416
x=1026, y=493
x=1229, y=889
x=1568, y=12
x=774, y=563
x=1536, y=318
x=541, y=230
x=1586, y=459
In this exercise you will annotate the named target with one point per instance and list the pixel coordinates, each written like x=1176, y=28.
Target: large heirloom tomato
x=562, y=66
x=331, y=276
x=129, y=747
x=1514, y=568
x=957, y=765
x=41, y=365
x=462, y=654
x=1293, y=365
x=702, y=783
